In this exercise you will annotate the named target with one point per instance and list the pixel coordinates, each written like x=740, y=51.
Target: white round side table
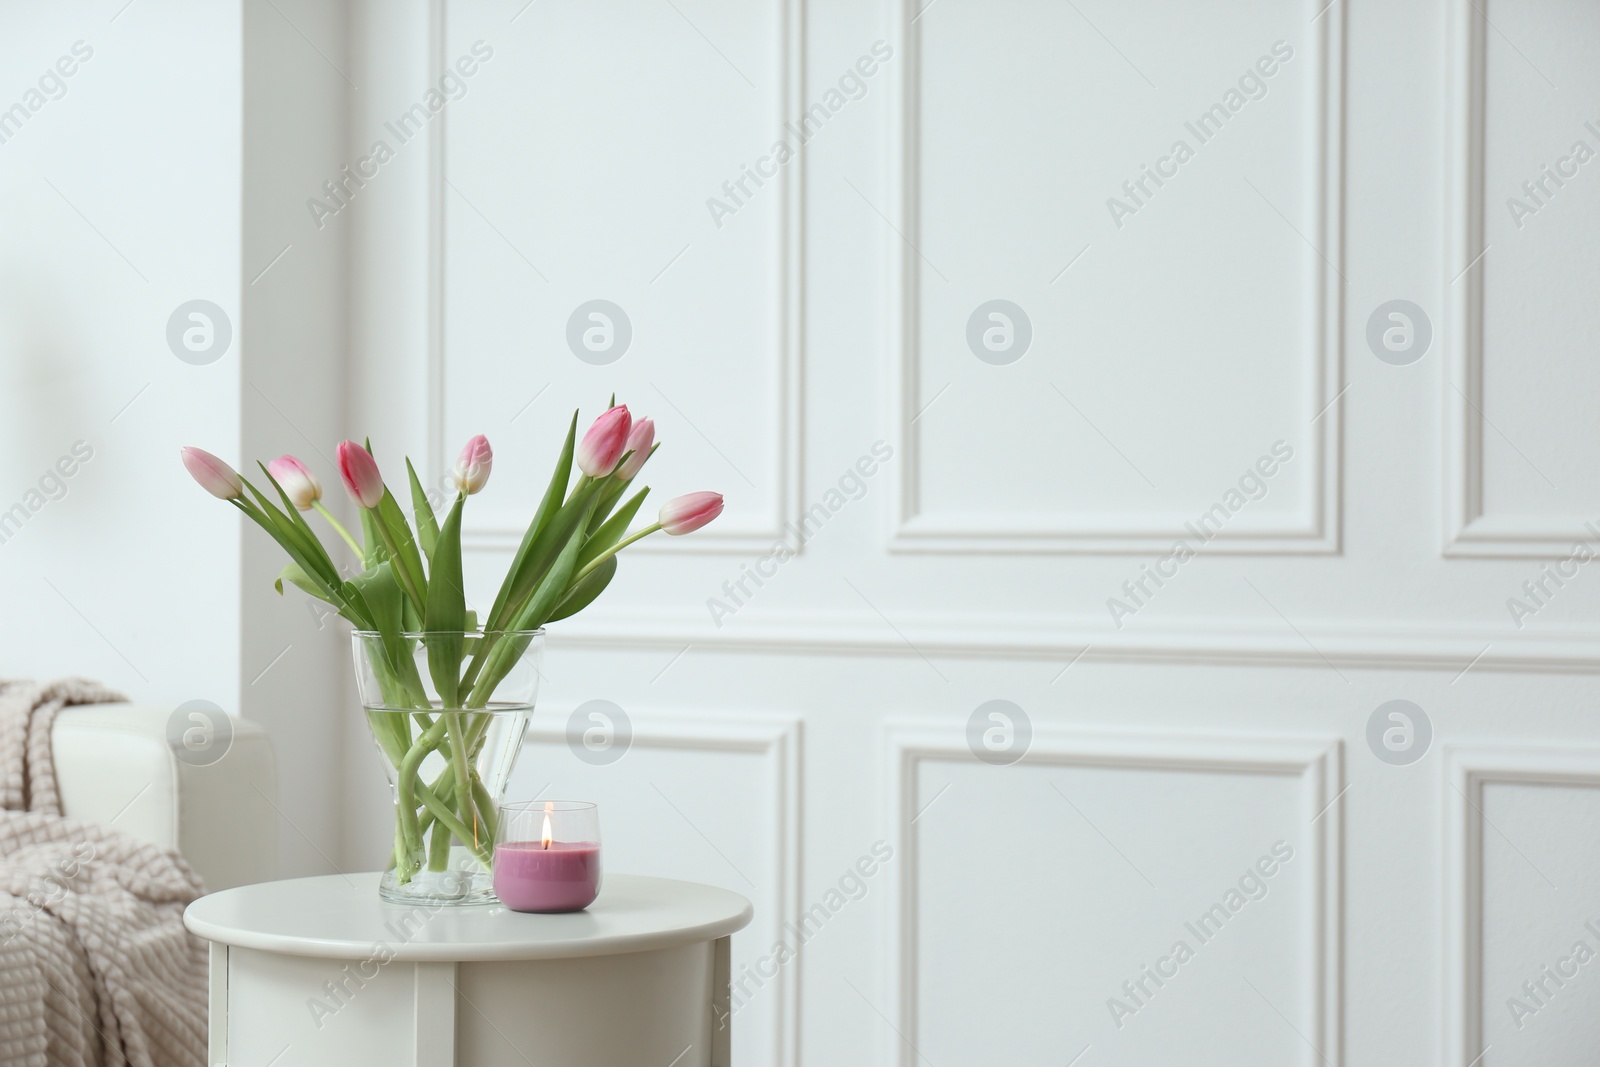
x=316, y=971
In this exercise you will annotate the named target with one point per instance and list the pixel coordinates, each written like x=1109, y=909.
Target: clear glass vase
x=448, y=760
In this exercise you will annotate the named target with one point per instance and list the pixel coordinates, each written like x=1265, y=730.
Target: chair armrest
x=116, y=765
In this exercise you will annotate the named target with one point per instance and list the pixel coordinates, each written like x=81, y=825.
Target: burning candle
x=557, y=870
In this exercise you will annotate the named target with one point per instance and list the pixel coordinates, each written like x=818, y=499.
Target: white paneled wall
x=519, y=264
x=1033, y=347
x=1517, y=485
x=1071, y=242
x=1042, y=374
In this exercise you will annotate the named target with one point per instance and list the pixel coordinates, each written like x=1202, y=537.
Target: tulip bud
x=687, y=513
x=360, y=473
x=605, y=442
x=472, y=467
x=297, y=481
x=640, y=438
x=214, y=476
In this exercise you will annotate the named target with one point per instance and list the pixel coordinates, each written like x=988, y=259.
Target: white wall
x=780, y=732
x=1173, y=743
x=173, y=167
x=296, y=665
x=122, y=203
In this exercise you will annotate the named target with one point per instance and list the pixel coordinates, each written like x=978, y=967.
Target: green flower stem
x=458, y=760
x=480, y=794
x=439, y=848
x=498, y=664
x=409, y=852
x=443, y=814
x=426, y=743
x=410, y=788
x=484, y=682
x=477, y=732
x=434, y=831
x=383, y=731
x=480, y=656
x=612, y=551
x=392, y=730
x=455, y=806
x=408, y=839
x=488, y=669
x=339, y=528
x=444, y=787
x=485, y=815
x=401, y=856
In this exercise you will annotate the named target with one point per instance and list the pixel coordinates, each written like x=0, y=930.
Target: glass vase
x=447, y=760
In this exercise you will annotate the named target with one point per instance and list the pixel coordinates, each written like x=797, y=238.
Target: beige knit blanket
x=96, y=968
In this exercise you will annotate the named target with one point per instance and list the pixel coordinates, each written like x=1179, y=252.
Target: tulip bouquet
x=435, y=683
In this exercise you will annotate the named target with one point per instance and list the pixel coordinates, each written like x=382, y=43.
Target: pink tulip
x=605, y=442
x=214, y=476
x=472, y=467
x=687, y=513
x=297, y=481
x=360, y=473
x=640, y=438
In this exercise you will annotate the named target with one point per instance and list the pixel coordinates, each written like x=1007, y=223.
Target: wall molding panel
x=1218, y=642
x=1316, y=530
x=777, y=740
x=1466, y=771
x=1315, y=762
x=786, y=301
x=1468, y=530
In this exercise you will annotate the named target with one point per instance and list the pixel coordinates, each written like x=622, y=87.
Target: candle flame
x=549, y=806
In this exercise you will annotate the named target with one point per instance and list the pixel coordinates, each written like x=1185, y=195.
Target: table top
x=340, y=917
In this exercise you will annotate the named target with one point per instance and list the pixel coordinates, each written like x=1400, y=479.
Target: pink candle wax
x=531, y=877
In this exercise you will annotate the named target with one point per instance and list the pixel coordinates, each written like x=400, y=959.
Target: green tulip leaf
x=446, y=615
x=296, y=576
x=372, y=540
x=309, y=539
x=584, y=593
x=554, y=494
x=282, y=530
x=402, y=548
x=385, y=604
x=427, y=522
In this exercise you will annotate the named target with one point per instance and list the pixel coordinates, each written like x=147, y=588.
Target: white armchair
x=115, y=765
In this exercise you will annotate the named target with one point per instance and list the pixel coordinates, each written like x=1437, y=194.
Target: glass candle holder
x=547, y=855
